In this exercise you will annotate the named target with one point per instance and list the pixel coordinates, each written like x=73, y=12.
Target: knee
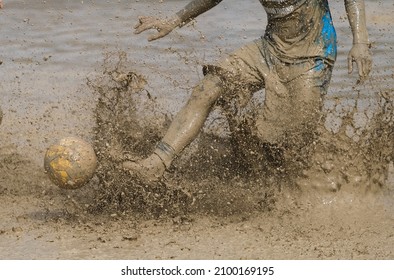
x=207, y=91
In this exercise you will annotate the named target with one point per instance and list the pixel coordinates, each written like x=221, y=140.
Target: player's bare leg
x=182, y=131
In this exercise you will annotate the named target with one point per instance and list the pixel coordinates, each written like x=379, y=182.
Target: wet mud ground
x=49, y=50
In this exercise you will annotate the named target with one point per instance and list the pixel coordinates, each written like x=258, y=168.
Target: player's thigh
x=246, y=66
x=296, y=105
x=308, y=91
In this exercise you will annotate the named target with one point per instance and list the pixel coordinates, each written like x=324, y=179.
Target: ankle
x=165, y=153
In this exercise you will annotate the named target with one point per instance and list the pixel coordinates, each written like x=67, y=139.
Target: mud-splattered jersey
x=300, y=29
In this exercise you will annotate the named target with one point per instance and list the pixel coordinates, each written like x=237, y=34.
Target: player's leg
x=286, y=125
x=230, y=73
x=182, y=131
x=308, y=91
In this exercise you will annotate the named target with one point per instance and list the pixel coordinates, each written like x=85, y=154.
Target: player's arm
x=165, y=26
x=360, y=52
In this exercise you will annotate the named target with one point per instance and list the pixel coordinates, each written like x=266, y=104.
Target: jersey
x=300, y=30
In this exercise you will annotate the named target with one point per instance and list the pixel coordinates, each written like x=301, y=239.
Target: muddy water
x=47, y=50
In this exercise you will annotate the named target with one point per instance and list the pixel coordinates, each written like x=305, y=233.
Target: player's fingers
x=350, y=64
x=364, y=68
x=367, y=66
x=361, y=69
x=137, y=25
x=143, y=27
x=156, y=36
x=140, y=21
x=143, y=24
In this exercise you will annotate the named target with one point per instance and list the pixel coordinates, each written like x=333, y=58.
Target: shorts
x=293, y=91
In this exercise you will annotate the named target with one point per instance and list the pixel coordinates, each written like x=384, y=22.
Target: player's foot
x=149, y=170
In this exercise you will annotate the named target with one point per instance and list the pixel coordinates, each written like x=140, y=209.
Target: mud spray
x=209, y=176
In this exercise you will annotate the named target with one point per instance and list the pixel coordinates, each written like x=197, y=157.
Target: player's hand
x=163, y=26
x=361, y=55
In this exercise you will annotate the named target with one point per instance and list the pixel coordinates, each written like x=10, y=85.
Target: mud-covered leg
x=182, y=131
x=311, y=165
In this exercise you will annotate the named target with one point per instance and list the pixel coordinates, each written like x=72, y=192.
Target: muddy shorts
x=293, y=91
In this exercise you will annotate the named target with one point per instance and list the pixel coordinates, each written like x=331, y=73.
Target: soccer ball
x=70, y=163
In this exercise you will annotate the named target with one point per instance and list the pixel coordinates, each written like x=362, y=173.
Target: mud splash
x=357, y=157
x=121, y=133
x=209, y=176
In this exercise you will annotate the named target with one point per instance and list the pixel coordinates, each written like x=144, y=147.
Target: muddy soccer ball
x=70, y=163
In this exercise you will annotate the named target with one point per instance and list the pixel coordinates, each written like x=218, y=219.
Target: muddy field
x=53, y=63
